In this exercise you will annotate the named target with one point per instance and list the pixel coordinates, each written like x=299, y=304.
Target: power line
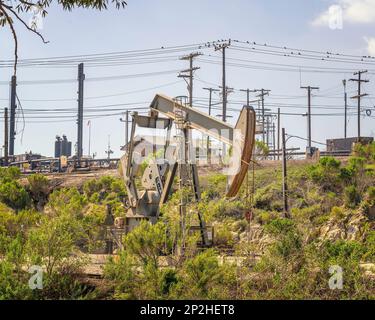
x=96, y=79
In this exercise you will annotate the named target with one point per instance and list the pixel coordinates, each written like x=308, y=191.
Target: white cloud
x=370, y=46
x=353, y=11
x=332, y=14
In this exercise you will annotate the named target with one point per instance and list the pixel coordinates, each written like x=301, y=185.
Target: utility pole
x=81, y=78
x=263, y=93
x=13, y=106
x=188, y=140
x=309, y=89
x=268, y=130
x=247, y=95
x=224, y=116
x=285, y=183
x=190, y=57
x=127, y=127
x=89, y=125
x=274, y=140
x=126, y=121
x=6, y=137
x=278, y=133
x=358, y=97
x=210, y=90
x=346, y=108
x=109, y=151
x=223, y=47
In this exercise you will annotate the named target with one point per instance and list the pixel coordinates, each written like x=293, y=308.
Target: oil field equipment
x=158, y=176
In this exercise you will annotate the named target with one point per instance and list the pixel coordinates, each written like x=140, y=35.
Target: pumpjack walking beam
x=241, y=137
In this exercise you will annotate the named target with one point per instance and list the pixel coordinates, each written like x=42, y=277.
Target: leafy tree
x=11, y=10
x=54, y=241
x=13, y=280
x=68, y=200
x=121, y=270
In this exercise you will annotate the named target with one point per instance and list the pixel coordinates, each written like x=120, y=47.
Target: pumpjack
x=159, y=175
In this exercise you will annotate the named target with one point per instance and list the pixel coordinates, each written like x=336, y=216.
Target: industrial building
x=63, y=147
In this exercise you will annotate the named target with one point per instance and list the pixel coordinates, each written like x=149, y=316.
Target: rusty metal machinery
x=159, y=174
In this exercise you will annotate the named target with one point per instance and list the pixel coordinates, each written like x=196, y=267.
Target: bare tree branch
x=27, y=27
x=7, y=10
x=10, y=22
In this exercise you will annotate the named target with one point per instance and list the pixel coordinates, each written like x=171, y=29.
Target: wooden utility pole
x=223, y=47
x=6, y=137
x=13, y=106
x=210, y=90
x=285, y=182
x=188, y=141
x=247, y=95
x=346, y=108
x=274, y=140
x=188, y=73
x=89, y=124
x=309, y=89
x=358, y=97
x=268, y=130
x=263, y=93
x=81, y=78
x=127, y=127
x=278, y=133
x=126, y=121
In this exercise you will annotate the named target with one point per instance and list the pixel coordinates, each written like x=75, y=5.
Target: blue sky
x=152, y=24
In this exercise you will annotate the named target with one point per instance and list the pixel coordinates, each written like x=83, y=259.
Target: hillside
x=328, y=236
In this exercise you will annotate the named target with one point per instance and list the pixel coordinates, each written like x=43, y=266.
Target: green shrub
x=289, y=239
x=264, y=217
x=67, y=200
x=261, y=148
x=121, y=270
x=337, y=213
x=280, y=226
x=366, y=151
x=39, y=190
x=14, y=195
x=326, y=172
x=9, y=174
x=202, y=277
x=351, y=196
x=266, y=197
x=147, y=242
x=223, y=236
x=307, y=213
x=103, y=187
x=216, y=186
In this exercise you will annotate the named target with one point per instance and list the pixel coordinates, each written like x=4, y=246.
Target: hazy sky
x=145, y=24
